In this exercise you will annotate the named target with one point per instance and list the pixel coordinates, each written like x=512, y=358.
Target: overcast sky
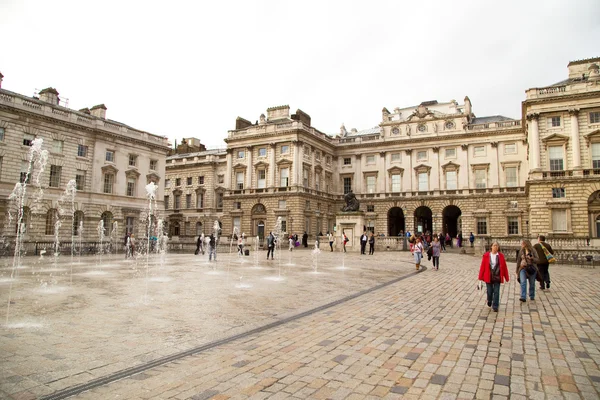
x=189, y=68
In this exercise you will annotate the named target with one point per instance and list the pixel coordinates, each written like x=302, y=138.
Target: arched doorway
x=593, y=214
x=396, y=223
x=259, y=215
x=423, y=220
x=450, y=219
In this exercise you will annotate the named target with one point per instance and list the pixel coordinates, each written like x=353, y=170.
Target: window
x=596, y=155
x=317, y=181
x=167, y=183
x=77, y=220
x=80, y=179
x=186, y=228
x=554, y=122
x=188, y=201
x=370, y=208
x=177, y=182
x=347, y=184
x=237, y=205
x=396, y=187
x=282, y=204
x=200, y=200
x=110, y=156
x=132, y=160
x=220, y=178
x=285, y=149
x=480, y=178
x=189, y=180
x=555, y=154
x=107, y=218
x=510, y=148
x=130, y=187
x=109, y=180
x=371, y=226
x=82, y=150
x=450, y=153
x=451, y=180
x=318, y=155
x=371, y=182
x=198, y=228
x=307, y=205
x=166, y=199
x=421, y=155
x=594, y=117
x=558, y=193
x=261, y=178
x=177, y=204
x=51, y=217
x=24, y=176
x=28, y=139
x=57, y=146
x=370, y=160
x=559, y=220
x=479, y=151
x=305, y=177
x=283, y=177
x=55, y=171
x=262, y=152
x=328, y=160
x=347, y=161
x=396, y=157
x=423, y=182
x=283, y=225
x=219, y=201
x=239, y=180
x=176, y=229
x=237, y=224
x=153, y=165
x=1, y=134
x=201, y=180
x=241, y=154
x=513, y=225
x=481, y=225
x=511, y=176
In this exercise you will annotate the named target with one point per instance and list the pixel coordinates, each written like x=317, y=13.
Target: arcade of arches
x=423, y=221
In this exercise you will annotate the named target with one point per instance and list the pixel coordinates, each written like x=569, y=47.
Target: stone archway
x=423, y=219
x=395, y=221
x=451, y=220
x=259, y=217
x=594, y=214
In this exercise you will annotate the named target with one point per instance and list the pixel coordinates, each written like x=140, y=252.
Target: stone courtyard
x=300, y=326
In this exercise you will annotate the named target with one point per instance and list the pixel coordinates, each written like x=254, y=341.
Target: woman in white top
x=417, y=251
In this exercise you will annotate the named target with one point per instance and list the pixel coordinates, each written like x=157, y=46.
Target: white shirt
x=493, y=260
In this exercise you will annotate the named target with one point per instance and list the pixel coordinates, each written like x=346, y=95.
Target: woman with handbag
x=493, y=271
x=527, y=269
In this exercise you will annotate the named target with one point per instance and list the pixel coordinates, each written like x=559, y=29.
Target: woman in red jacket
x=493, y=271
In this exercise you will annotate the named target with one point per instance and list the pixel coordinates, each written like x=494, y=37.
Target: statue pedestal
x=353, y=224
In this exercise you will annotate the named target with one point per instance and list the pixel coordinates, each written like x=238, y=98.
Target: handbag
x=548, y=255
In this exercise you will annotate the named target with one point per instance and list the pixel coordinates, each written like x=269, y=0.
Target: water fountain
x=315, y=255
x=114, y=237
x=100, y=229
x=256, y=246
x=234, y=236
x=277, y=234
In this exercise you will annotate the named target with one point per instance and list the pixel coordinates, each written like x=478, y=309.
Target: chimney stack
x=49, y=95
x=99, y=111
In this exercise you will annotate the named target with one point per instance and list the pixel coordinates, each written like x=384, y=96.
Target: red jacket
x=485, y=272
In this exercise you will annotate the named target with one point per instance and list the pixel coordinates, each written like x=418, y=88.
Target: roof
x=492, y=118
x=371, y=131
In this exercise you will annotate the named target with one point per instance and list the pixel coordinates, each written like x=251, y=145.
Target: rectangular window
x=189, y=181
x=201, y=180
x=558, y=193
x=177, y=182
x=285, y=149
x=28, y=139
x=513, y=225
x=480, y=178
x=262, y=152
x=80, y=179
x=307, y=205
x=241, y=154
x=284, y=177
x=396, y=157
x=177, y=204
x=451, y=180
x=153, y=165
x=199, y=200
x=479, y=151
x=283, y=225
x=187, y=228
x=554, y=122
x=237, y=223
x=55, y=171
x=595, y=117
x=370, y=208
x=481, y=226
x=423, y=182
x=188, y=201
x=347, y=185
x=371, y=182
x=305, y=177
x=130, y=187
x=109, y=180
x=555, y=154
x=317, y=182
x=396, y=187
x=82, y=150
x=318, y=155
x=511, y=176
x=450, y=153
x=24, y=176
x=421, y=155
x=132, y=160
x=237, y=205
x=110, y=156
x=220, y=178
x=559, y=220
x=596, y=155
x=328, y=160
x=370, y=160
x=57, y=146
x=510, y=148
x=282, y=204
x=347, y=161
x=239, y=180
x=166, y=199
x=167, y=183
x=1, y=134
x=261, y=177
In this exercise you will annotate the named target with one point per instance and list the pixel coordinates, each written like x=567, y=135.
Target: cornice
x=554, y=99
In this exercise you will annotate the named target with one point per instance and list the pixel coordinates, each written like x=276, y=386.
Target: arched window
x=175, y=229
x=107, y=217
x=51, y=217
x=24, y=221
x=77, y=220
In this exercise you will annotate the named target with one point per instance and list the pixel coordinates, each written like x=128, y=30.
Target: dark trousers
x=544, y=271
x=493, y=294
x=371, y=248
x=363, y=246
x=271, y=251
x=331, y=245
x=436, y=261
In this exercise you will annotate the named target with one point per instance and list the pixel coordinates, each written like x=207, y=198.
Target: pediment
x=239, y=166
x=261, y=164
x=284, y=161
x=555, y=137
x=422, y=167
x=109, y=169
x=152, y=177
x=395, y=170
x=132, y=173
x=592, y=136
x=450, y=165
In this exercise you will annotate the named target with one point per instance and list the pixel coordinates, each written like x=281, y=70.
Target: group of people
x=211, y=242
x=428, y=244
x=532, y=264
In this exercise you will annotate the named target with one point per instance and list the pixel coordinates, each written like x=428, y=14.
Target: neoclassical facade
x=434, y=167
x=110, y=162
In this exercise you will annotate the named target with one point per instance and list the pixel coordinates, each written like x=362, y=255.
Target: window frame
x=55, y=176
x=112, y=157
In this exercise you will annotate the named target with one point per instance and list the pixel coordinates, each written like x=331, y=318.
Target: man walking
x=212, y=247
x=270, y=245
x=363, y=242
x=543, y=264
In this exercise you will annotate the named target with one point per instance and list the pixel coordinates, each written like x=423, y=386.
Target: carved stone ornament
x=533, y=116
x=421, y=112
x=465, y=147
x=574, y=111
x=494, y=144
x=435, y=149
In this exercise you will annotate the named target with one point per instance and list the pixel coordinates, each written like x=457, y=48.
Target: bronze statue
x=352, y=203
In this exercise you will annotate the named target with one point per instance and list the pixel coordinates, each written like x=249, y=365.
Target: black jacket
x=540, y=252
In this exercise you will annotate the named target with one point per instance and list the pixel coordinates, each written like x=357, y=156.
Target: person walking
x=271, y=246
x=448, y=240
x=436, y=249
x=459, y=239
x=212, y=247
x=542, y=248
x=240, y=243
x=371, y=244
x=471, y=239
x=344, y=240
x=527, y=270
x=305, y=239
x=199, y=243
x=330, y=239
x=363, y=242
x=291, y=242
x=442, y=240
x=493, y=271
x=417, y=251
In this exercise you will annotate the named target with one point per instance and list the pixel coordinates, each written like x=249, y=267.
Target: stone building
x=110, y=162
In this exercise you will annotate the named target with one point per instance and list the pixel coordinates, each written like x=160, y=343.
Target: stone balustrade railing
x=495, y=125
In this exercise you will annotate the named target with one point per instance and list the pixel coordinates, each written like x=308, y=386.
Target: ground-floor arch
x=395, y=221
x=593, y=214
x=423, y=219
x=451, y=220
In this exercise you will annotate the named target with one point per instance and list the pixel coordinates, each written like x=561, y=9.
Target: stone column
x=534, y=140
x=358, y=175
x=465, y=147
x=436, y=152
x=497, y=164
x=575, y=138
x=382, y=182
x=272, y=149
x=296, y=167
x=249, y=168
x=410, y=170
x=228, y=172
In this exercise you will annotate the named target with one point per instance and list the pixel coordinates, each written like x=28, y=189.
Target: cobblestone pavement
x=430, y=335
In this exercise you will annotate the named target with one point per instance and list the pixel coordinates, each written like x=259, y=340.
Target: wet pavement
x=339, y=327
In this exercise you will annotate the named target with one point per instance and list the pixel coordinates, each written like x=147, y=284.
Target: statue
x=352, y=203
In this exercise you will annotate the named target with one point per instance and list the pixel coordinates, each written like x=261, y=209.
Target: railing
x=552, y=90
x=565, y=250
x=494, y=125
x=556, y=174
x=588, y=172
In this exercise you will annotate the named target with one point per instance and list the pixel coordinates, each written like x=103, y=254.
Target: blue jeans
x=493, y=294
x=212, y=251
x=523, y=277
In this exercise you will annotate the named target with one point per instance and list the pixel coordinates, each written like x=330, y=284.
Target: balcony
x=514, y=124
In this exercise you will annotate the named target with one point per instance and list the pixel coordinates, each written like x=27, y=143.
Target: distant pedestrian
x=471, y=238
x=493, y=271
x=199, y=244
x=543, y=249
x=448, y=239
x=212, y=247
x=442, y=240
x=240, y=244
x=305, y=239
x=330, y=239
x=436, y=249
x=344, y=240
x=270, y=246
x=363, y=242
x=291, y=242
x=417, y=251
x=371, y=244
x=459, y=239
x=527, y=269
